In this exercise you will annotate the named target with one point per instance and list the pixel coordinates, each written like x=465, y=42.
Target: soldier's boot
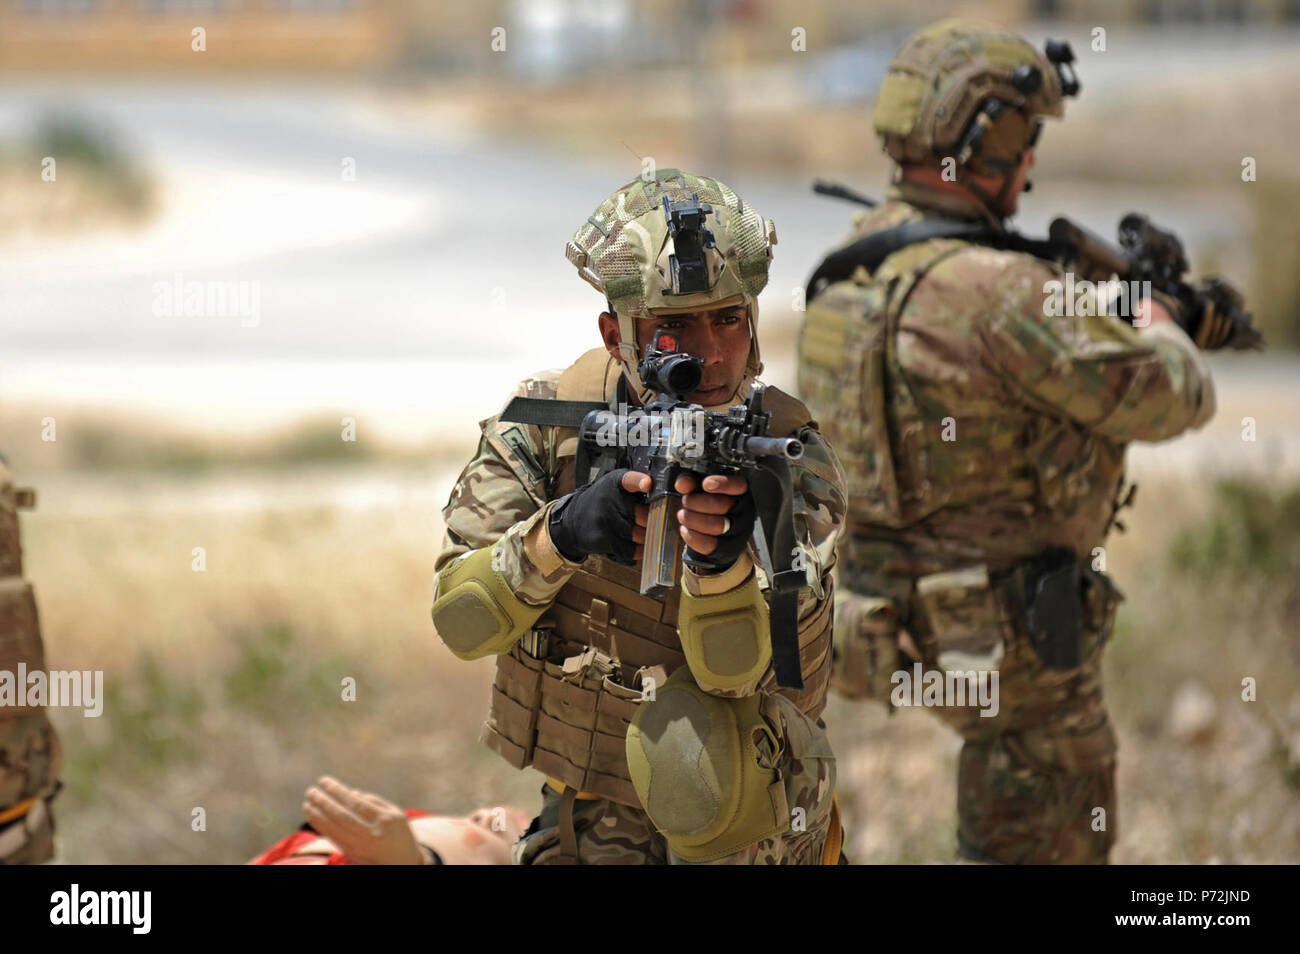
x=1038, y=797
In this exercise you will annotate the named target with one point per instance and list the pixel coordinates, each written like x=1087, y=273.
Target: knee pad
x=704, y=768
x=476, y=613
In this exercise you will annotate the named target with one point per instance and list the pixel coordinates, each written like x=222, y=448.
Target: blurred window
x=59, y=6
x=313, y=5
x=183, y=6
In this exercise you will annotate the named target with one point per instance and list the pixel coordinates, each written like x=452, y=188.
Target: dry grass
x=224, y=686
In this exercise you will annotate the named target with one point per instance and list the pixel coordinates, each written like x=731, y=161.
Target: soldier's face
x=719, y=338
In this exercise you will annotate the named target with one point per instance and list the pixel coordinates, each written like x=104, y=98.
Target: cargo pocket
x=966, y=626
x=865, y=655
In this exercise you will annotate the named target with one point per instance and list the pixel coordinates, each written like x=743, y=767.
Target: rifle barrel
x=787, y=447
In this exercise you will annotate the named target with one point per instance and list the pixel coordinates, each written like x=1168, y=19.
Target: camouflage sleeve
x=820, y=503
x=1124, y=384
x=501, y=498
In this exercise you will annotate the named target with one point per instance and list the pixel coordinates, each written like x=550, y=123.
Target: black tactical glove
x=731, y=544
x=1214, y=327
x=597, y=520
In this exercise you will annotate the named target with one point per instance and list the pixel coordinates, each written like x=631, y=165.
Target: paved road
x=416, y=294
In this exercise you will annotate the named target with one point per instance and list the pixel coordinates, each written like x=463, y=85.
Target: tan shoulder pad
x=789, y=414
x=591, y=378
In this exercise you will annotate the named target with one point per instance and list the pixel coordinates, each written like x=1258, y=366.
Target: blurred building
x=1166, y=11
x=153, y=35
x=541, y=40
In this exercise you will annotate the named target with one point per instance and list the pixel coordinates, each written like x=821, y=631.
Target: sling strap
x=870, y=250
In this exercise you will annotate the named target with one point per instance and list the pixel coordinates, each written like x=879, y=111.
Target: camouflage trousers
x=1036, y=781
x=1032, y=779
x=574, y=830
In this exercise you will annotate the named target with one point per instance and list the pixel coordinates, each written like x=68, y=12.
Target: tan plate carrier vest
x=23, y=788
x=897, y=468
x=572, y=725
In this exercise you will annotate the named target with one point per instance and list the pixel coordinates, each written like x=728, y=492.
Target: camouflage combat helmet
x=672, y=244
x=972, y=91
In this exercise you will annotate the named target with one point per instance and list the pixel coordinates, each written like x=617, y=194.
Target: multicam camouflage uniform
x=976, y=433
x=564, y=705
x=29, y=749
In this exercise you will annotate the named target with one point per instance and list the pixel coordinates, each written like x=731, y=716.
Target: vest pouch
x=511, y=728
x=582, y=726
x=967, y=630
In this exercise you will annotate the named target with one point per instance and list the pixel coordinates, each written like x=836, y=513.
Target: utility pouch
x=582, y=726
x=865, y=652
x=1054, y=608
x=966, y=626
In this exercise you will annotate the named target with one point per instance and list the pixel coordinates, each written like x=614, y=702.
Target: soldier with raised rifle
x=983, y=436
x=673, y=709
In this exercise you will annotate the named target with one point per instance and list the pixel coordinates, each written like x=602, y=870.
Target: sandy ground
x=225, y=686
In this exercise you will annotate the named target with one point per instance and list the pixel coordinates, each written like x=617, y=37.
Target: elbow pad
x=726, y=638
x=476, y=613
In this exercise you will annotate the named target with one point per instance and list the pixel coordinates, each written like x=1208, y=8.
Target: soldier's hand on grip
x=1217, y=327
x=717, y=521
x=1214, y=330
x=606, y=518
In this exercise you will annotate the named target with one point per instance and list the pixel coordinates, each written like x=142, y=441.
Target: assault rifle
x=669, y=437
x=1146, y=253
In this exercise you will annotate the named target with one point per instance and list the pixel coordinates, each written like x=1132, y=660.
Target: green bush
x=274, y=675
x=1251, y=531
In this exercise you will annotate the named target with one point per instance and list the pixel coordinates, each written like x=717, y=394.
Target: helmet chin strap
x=629, y=357
x=753, y=366
x=996, y=202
